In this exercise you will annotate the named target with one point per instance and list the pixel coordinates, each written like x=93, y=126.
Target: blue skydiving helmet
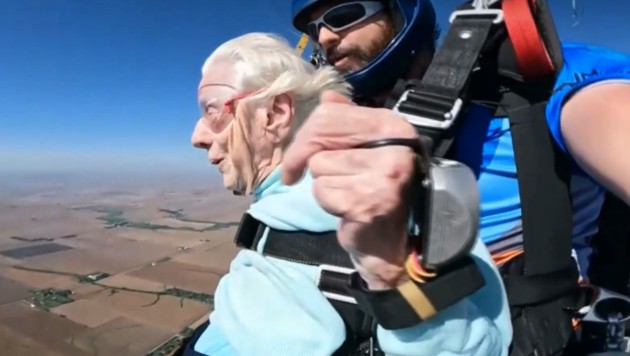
x=415, y=25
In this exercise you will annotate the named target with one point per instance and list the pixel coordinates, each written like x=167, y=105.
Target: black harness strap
x=311, y=248
x=543, y=170
x=339, y=282
x=544, y=188
x=543, y=177
x=323, y=250
x=396, y=313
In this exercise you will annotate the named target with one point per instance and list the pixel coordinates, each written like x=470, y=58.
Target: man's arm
x=595, y=125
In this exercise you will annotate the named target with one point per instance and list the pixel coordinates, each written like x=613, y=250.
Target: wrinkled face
x=231, y=133
x=352, y=48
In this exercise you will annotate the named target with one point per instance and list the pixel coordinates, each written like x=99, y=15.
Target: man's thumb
x=331, y=96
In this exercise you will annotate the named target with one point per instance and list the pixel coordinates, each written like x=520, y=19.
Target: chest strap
x=310, y=248
x=335, y=268
x=342, y=285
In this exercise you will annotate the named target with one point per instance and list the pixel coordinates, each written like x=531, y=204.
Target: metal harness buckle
x=497, y=13
x=424, y=121
x=335, y=270
x=480, y=8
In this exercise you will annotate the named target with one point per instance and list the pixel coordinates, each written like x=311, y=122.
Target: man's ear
x=280, y=117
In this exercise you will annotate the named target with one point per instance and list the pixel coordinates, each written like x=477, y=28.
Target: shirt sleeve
x=478, y=325
x=585, y=65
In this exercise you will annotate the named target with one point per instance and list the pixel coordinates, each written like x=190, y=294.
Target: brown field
x=154, y=248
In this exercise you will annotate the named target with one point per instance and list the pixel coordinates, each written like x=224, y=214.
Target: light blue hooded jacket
x=266, y=306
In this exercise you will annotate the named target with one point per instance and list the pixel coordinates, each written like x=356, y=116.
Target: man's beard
x=360, y=57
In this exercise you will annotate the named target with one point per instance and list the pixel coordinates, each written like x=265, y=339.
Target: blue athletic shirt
x=491, y=155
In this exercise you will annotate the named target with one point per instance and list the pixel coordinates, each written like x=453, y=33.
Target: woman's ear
x=280, y=117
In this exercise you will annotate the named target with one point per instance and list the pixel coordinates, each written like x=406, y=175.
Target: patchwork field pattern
x=93, y=268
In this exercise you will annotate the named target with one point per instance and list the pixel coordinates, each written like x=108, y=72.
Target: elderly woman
x=255, y=92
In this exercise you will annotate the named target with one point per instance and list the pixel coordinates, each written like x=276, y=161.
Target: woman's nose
x=202, y=135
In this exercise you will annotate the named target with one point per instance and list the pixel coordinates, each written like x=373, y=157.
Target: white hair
x=266, y=61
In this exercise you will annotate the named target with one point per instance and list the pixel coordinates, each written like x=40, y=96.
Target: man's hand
x=367, y=188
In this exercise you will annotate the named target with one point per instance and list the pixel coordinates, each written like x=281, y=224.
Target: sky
x=110, y=85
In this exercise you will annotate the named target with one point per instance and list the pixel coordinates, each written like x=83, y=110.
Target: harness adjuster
x=333, y=281
x=480, y=8
x=497, y=14
x=429, y=110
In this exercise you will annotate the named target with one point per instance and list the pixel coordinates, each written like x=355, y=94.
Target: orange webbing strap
x=415, y=269
x=532, y=56
x=502, y=257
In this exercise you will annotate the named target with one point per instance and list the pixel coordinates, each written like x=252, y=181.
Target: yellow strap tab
x=417, y=300
x=302, y=44
x=413, y=274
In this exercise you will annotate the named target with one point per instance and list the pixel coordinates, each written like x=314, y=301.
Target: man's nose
x=327, y=38
x=202, y=136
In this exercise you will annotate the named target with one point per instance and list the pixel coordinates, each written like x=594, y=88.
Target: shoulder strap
x=528, y=71
x=544, y=177
x=527, y=66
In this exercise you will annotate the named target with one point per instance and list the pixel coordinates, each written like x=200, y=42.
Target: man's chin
x=347, y=69
x=344, y=69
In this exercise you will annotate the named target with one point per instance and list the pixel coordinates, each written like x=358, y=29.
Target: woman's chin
x=233, y=186
x=230, y=186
